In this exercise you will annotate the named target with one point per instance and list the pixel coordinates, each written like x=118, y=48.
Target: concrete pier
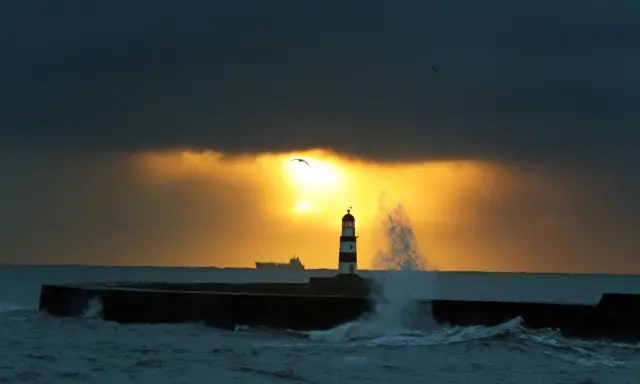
x=615, y=317
x=323, y=303
x=586, y=306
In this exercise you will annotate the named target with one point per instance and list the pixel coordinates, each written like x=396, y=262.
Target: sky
x=159, y=132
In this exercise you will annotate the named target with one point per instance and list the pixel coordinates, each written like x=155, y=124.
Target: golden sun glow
x=313, y=175
x=199, y=208
x=291, y=199
x=303, y=206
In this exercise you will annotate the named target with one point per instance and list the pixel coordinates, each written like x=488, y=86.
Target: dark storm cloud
x=522, y=81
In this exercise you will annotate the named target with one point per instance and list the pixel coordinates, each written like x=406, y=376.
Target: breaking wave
x=364, y=333
x=9, y=307
x=511, y=334
x=13, y=312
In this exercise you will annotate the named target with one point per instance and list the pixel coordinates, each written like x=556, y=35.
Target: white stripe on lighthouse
x=348, y=246
x=348, y=231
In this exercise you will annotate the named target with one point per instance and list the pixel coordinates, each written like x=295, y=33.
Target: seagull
x=302, y=161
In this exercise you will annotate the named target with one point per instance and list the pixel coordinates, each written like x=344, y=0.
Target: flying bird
x=302, y=161
x=435, y=69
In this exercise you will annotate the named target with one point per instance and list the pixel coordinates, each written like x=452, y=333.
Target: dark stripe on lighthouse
x=347, y=257
x=347, y=238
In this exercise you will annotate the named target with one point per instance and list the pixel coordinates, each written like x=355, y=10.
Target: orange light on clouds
x=195, y=208
x=312, y=198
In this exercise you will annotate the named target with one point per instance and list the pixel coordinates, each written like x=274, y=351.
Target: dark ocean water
x=36, y=348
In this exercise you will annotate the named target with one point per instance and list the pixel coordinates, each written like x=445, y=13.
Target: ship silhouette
x=294, y=263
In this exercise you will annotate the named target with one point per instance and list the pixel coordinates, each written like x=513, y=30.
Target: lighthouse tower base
x=347, y=268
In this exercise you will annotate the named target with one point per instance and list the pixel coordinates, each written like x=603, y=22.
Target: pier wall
x=324, y=303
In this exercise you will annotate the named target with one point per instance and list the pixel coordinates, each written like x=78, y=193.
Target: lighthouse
x=348, y=258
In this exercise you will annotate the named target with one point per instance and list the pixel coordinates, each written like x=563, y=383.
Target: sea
x=382, y=348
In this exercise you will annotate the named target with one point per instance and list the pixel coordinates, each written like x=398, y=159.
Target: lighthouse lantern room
x=348, y=258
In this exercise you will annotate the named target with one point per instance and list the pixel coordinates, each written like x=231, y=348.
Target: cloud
x=518, y=82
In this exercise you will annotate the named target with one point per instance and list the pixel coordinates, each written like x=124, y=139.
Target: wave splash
x=402, y=253
x=397, y=312
x=511, y=334
x=93, y=310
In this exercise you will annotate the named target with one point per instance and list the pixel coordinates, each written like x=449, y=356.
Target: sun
x=313, y=185
x=313, y=175
x=303, y=206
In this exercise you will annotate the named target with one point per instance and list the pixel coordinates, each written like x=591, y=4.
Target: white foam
x=93, y=309
x=395, y=314
x=9, y=307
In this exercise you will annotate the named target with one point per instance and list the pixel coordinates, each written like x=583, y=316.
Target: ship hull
x=260, y=265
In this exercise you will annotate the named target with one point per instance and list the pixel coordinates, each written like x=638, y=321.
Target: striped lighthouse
x=348, y=259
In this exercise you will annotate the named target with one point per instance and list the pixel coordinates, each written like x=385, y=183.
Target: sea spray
x=406, y=280
x=397, y=314
x=402, y=248
x=93, y=309
x=398, y=304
